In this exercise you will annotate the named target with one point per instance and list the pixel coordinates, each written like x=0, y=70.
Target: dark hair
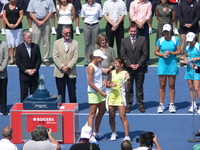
x=121, y=61
x=39, y=133
x=60, y=3
x=7, y=132
x=196, y=38
x=146, y=139
x=168, y=2
x=132, y=25
x=126, y=145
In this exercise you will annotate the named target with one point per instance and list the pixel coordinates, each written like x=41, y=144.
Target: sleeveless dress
x=117, y=94
x=192, y=52
x=168, y=66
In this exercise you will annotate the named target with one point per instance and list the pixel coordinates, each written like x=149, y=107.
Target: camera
x=146, y=138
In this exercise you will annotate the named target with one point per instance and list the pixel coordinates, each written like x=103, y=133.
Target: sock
x=161, y=104
x=193, y=102
x=113, y=132
x=94, y=134
x=77, y=27
x=171, y=103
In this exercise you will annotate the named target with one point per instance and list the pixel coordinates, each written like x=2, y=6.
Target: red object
x=48, y=118
x=49, y=121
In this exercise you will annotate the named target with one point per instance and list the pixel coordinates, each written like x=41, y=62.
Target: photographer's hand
x=156, y=143
x=52, y=140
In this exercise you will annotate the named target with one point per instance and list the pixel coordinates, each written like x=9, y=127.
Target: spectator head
x=98, y=54
x=66, y=32
x=126, y=145
x=167, y=27
x=86, y=132
x=191, y=37
x=146, y=139
x=60, y=2
x=132, y=29
x=167, y=31
x=39, y=133
x=101, y=39
x=27, y=37
x=121, y=61
x=7, y=132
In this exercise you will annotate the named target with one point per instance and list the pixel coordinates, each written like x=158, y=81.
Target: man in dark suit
x=28, y=60
x=134, y=51
x=188, y=16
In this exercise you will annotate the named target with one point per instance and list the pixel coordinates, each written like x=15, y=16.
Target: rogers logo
x=43, y=119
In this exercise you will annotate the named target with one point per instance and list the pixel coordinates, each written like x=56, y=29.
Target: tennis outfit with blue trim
x=168, y=66
x=192, y=52
x=117, y=94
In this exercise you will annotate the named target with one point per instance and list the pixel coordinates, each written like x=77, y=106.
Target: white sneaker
x=126, y=138
x=30, y=29
x=198, y=112
x=150, y=31
x=160, y=109
x=176, y=32
x=172, y=108
x=77, y=31
x=53, y=31
x=192, y=109
x=3, y=32
x=93, y=140
x=113, y=136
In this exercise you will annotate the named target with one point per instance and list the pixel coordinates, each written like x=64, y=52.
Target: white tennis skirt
x=13, y=37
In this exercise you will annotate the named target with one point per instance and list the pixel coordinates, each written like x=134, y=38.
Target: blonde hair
x=101, y=36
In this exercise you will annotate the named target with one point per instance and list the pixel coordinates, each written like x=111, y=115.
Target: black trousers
x=118, y=34
x=26, y=86
x=138, y=76
x=61, y=87
x=145, y=32
x=3, y=94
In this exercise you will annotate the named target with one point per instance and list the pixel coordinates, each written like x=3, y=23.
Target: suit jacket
x=3, y=59
x=138, y=55
x=63, y=58
x=24, y=62
x=189, y=15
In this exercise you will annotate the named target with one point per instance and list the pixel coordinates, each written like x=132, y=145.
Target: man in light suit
x=65, y=55
x=28, y=60
x=134, y=51
x=3, y=76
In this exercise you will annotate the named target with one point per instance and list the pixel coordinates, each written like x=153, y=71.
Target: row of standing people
x=133, y=50
x=91, y=13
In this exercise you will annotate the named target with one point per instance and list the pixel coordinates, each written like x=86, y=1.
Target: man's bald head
x=7, y=132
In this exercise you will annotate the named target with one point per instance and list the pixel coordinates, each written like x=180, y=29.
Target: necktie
x=133, y=43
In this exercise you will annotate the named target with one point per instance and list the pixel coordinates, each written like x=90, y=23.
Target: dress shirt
x=114, y=9
x=41, y=8
x=140, y=10
x=91, y=13
x=66, y=43
x=28, y=49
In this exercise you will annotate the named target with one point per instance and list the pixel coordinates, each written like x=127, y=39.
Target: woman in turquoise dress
x=167, y=47
x=117, y=81
x=193, y=78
